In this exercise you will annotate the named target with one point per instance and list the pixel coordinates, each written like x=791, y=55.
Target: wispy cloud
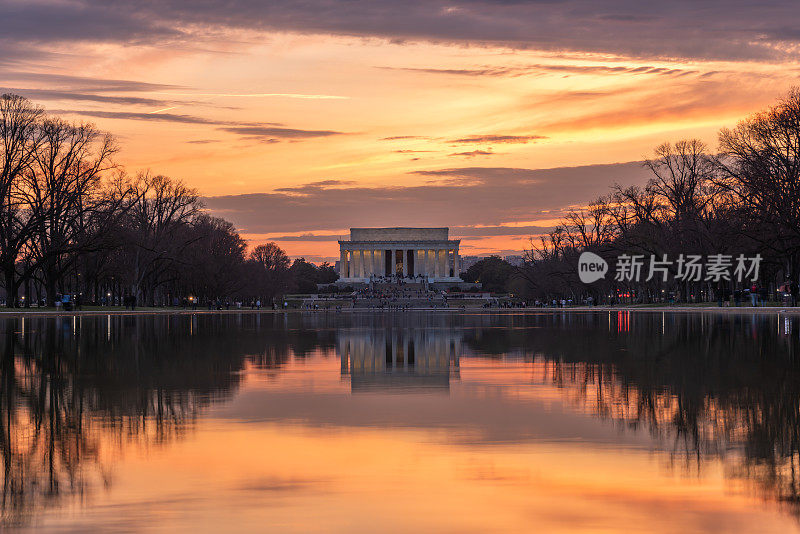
x=86, y=83
x=52, y=94
x=261, y=95
x=265, y=132
x=493, y=138
x=161, y=110
x=403, y=137
x=270, y=134
x=542, y=68
x=315, y=186
x=144, y=116
x=473, y=153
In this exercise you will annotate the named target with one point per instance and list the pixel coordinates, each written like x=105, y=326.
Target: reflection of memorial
x=399, y=358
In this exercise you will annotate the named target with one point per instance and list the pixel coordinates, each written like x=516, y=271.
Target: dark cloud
x=20, y=55
x=315, y=186
x=93, y=20
x=473, y=153
x=401, y=137
x=541, y=68
x=83, y=83
x=485, y=71
x=497, y=139
x=84, y=89
x=46, y=94
x=461, y=196
x=270, y=134
x=713, y=29
x=141, y=116
x=328, y=183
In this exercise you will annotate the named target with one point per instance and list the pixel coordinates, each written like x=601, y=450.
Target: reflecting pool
x=399, y=422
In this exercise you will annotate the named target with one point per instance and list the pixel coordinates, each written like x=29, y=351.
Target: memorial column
x=383, y=265
x=363, y=263
x=428, y=263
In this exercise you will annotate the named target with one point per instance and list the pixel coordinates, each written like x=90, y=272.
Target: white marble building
x=399, y=253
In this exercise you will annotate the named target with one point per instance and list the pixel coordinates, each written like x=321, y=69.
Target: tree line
x=742, y=199
x=73, y=221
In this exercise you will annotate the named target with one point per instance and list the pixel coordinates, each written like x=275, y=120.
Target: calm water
x=568, y=422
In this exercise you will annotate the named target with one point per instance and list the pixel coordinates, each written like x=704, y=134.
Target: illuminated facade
x=399, y=253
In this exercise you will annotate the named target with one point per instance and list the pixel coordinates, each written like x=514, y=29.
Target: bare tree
x=162, y=206
x=759, y=166
x=270, y=256
x=63, y=190
x=215, y=258
x=18, y=142
x=682, y=174
x=269, y=266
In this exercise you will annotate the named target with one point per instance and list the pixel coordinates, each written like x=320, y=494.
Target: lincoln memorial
x=399, y=253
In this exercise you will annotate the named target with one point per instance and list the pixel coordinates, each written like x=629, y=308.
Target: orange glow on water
x=239, y=468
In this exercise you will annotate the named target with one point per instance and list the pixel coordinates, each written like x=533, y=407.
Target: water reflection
x=400, y=359
x=76, y=393
x=707, y=387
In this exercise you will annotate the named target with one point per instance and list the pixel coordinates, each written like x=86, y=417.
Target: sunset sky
x=297, y=120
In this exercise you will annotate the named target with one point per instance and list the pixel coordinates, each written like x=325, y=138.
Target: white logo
x=591, y=267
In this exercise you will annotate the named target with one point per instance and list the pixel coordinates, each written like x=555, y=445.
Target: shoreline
x=742, y=310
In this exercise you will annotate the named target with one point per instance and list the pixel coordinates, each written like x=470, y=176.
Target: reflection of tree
x=75, y=392
x=722, y=387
